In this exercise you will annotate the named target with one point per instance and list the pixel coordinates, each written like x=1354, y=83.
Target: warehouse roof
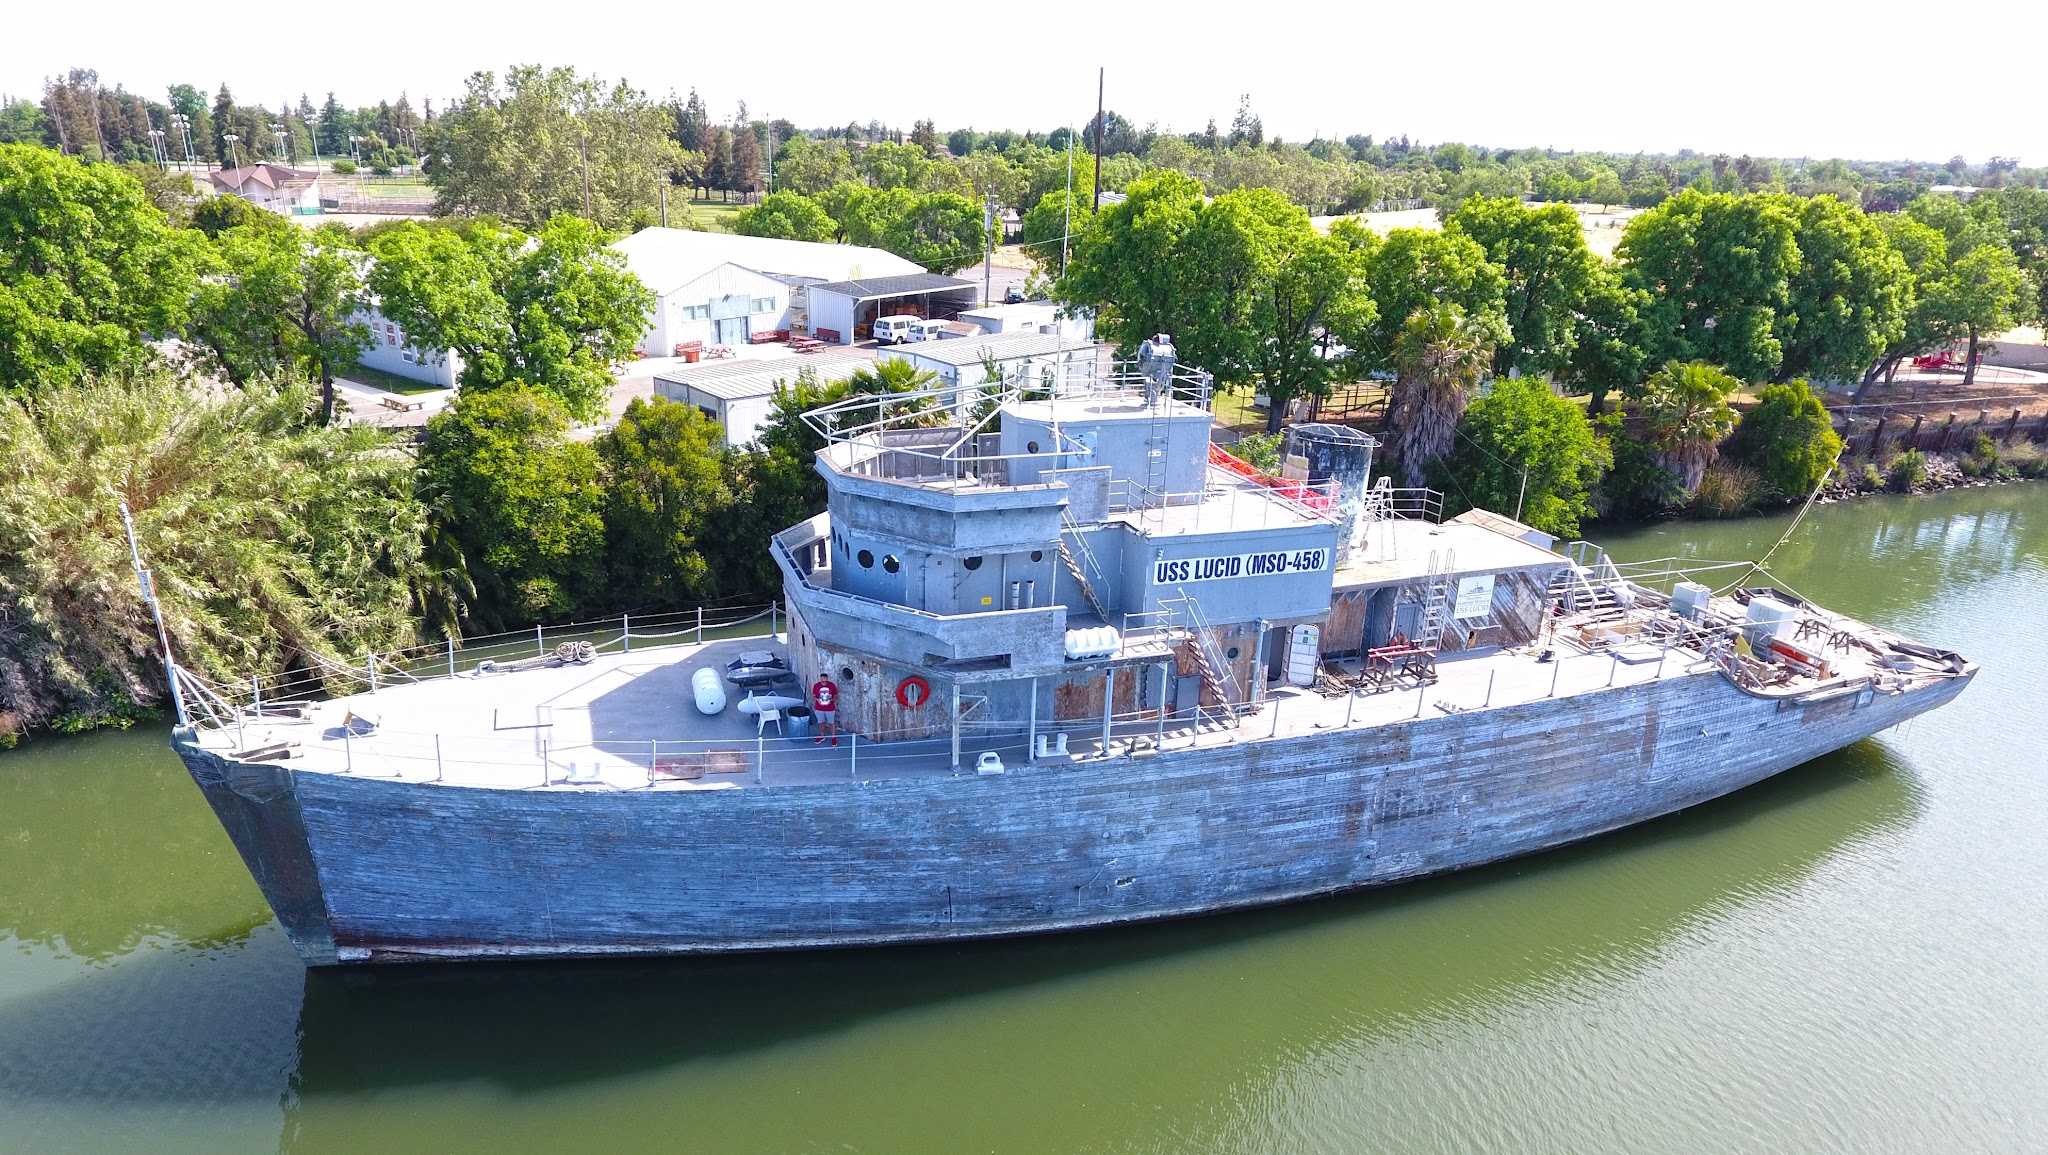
x=908, y=284
x=666, y=259
x=734, y=380
x=999, y=346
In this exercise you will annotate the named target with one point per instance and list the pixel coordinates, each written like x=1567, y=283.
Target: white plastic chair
x=767, y=716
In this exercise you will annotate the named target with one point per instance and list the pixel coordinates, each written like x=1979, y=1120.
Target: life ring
x=913, y=692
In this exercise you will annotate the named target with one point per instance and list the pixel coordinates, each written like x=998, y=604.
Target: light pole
x=313, y=131
x=161, y=150
x=183, y=124
x=233, y=156
x=355, y=153
x=283, y=153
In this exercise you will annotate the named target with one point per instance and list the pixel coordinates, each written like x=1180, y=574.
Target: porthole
x=1231, y=653
x=866, y=560
x=971, y=562
x=846, y=673
x=891, y=564
x=1031, y=447
x=1037, y=555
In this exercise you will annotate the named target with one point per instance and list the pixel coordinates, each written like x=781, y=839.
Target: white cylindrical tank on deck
x=710, y=691
x=1093, y=642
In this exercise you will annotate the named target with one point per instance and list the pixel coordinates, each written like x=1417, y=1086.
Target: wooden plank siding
x=408, y=870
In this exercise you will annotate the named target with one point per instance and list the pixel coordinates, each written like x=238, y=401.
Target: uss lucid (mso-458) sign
x=1175, y=571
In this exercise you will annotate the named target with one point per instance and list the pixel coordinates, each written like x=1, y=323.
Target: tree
x=88, y=269
x=286, y=306
x=1685, y=405
x=1413, y=270
x=785, y=215
x=1717, y=269
x=524, y=501
x=269, y=541
x=1053, y=226
x=808, y=168
x=693, y=124
x=925, y=135
x=667, y=473
x=1126, y=263
x=518, y=151
x=942, y=231
x=1847, y=299
x=1548, y=270
x=866, y=215
x=896, y=166
x=554, y=314
x=1523, y=448
x=1789, y=438
x=1610, y=344
x=1440, y=356
x=1980, y=295
x=995, y=179
x=744, y=174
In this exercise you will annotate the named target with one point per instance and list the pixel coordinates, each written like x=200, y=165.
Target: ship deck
x=628, y=721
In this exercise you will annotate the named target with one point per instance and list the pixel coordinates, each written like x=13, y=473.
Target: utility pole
x=1099, y=74
x=583, y=147
x=662, y=188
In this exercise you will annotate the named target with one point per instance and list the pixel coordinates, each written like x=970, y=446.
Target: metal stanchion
x=451, y=657
x=626, y=632
x=1489, y=689
x=437, y=758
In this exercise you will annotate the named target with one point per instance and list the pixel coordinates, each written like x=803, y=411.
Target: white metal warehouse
x=740, y=395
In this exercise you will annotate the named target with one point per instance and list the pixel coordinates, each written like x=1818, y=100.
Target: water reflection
x=1594, y=911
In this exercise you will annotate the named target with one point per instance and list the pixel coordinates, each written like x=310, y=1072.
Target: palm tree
x=1686, y=406
x=1439, y=358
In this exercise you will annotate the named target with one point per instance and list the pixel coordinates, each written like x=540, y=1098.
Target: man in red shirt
x=825, y=707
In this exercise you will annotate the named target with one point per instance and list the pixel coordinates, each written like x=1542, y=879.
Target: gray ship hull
x=366, y=870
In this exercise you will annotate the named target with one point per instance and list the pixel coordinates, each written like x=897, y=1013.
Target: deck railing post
x=1275, y=729
x=773, y=631
x=348, y=750
x=438, y=769
x=1489, y=689
x=370, y=664
x=626, y=632
x=540, y=645
x=1421, y=691
x=853, y=736
x=653, y=758
x=1556, y=667
x=760, y=749
x=1613, y=669
x=256, y=687
x=451, y=657
x=544, y=779
x=700, y=625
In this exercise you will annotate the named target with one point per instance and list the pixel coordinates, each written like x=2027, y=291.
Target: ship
x=1090, y=669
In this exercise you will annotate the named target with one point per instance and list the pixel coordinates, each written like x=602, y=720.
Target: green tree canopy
x=517, y=151
x=1789, y=438
x=1717, y=271
x=1053, y=226
x=286, y=305
x=1523, y=451
x=942, y=231
x=525, y=502
x=1685, y=406
x=1411, y=271
x=667, y=475
x=1549, y=272
x=269, y=540
x=1440, y=356
x=89, y=268
x=786, y=216
x=553, y=311
x=1847, y=300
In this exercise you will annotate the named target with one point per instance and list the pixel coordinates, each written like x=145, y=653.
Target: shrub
x=1259, y=449
x=1872, y=480
x=1638, y=487
x=1789, y=438
x=344, y=167
x=381, y=169
x=1729, y=489
x=1981, y=460
x=1907, y=470
x=1523, y=446
x=2026, y=460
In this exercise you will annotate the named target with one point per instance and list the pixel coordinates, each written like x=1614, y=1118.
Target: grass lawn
x=389, y=382
x=1234, y=409
x=411, y=190
x=715, y=215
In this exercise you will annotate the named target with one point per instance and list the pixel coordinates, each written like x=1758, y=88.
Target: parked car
x=1014, y=295
x=895, y=330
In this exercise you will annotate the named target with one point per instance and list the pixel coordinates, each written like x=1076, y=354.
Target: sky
x=1781, y=78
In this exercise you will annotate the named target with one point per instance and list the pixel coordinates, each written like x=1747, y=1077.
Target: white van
x=895, y=330
x=929, y=329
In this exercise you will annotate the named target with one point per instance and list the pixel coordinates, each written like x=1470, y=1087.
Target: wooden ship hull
x=367, y=869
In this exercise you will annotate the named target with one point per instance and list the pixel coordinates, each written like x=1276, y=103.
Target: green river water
x=1852, y=957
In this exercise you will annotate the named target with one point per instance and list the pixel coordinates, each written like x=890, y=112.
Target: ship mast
x=163, y=637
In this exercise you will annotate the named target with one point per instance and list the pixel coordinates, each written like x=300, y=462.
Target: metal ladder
x=1215, y=667
x=1080, y=576
x=1436, y=609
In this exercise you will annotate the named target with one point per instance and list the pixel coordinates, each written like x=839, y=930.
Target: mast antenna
x=148, y=583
